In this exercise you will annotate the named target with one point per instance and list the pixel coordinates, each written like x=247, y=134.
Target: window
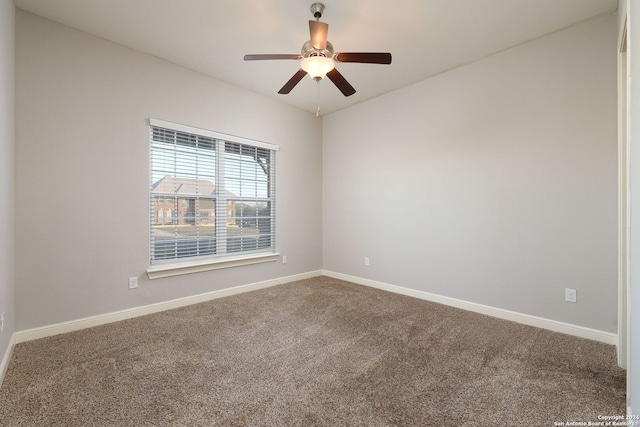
x=217, y=192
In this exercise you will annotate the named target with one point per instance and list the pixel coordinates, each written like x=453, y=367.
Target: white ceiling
x=425, y=37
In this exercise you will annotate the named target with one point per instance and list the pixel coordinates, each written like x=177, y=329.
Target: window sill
x=159, y=271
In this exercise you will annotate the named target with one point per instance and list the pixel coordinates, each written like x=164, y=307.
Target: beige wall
x=82, y=172
x=7, y=21
x=631, y=11
x=494, y=183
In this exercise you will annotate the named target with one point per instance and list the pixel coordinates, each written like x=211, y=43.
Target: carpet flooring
x=316, y=352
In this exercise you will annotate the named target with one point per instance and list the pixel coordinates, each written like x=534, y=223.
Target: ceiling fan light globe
x=317, y=66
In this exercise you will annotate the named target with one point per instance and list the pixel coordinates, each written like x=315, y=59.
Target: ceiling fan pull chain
x=318, y=97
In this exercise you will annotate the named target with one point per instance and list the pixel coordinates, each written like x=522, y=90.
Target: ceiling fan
x=318, y=58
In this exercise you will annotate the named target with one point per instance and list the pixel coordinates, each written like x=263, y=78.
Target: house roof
x=170, y=185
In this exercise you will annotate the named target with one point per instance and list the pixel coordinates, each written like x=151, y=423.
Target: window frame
x=178, y=266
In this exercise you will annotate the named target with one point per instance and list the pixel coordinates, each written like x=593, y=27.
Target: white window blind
x=211, y=195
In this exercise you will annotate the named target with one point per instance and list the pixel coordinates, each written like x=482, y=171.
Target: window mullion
x=175, y=192
x=271, y=191
x=197, y=201
x=221, y=200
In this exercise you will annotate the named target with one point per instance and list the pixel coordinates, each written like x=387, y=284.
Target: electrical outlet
x=133, y=282
x=284, y=259
x=570, y=295
x=366, y=260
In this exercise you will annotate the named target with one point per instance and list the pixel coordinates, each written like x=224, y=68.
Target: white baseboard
x=539, y=322
x=74, y=325
x=88, y=322
x=4, y=363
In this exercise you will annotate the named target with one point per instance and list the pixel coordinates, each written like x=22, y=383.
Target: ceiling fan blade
x=363, y=57
x=293, y=81
x=340, y=82
x=318, y=32
x=260, y=57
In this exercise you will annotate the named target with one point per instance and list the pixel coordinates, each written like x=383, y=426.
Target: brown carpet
x=313, y=352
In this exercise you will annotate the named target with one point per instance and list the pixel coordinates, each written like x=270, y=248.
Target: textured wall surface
x=494, y=183
x=7, y=138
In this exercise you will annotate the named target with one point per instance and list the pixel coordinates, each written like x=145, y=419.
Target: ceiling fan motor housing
x=308, y=50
